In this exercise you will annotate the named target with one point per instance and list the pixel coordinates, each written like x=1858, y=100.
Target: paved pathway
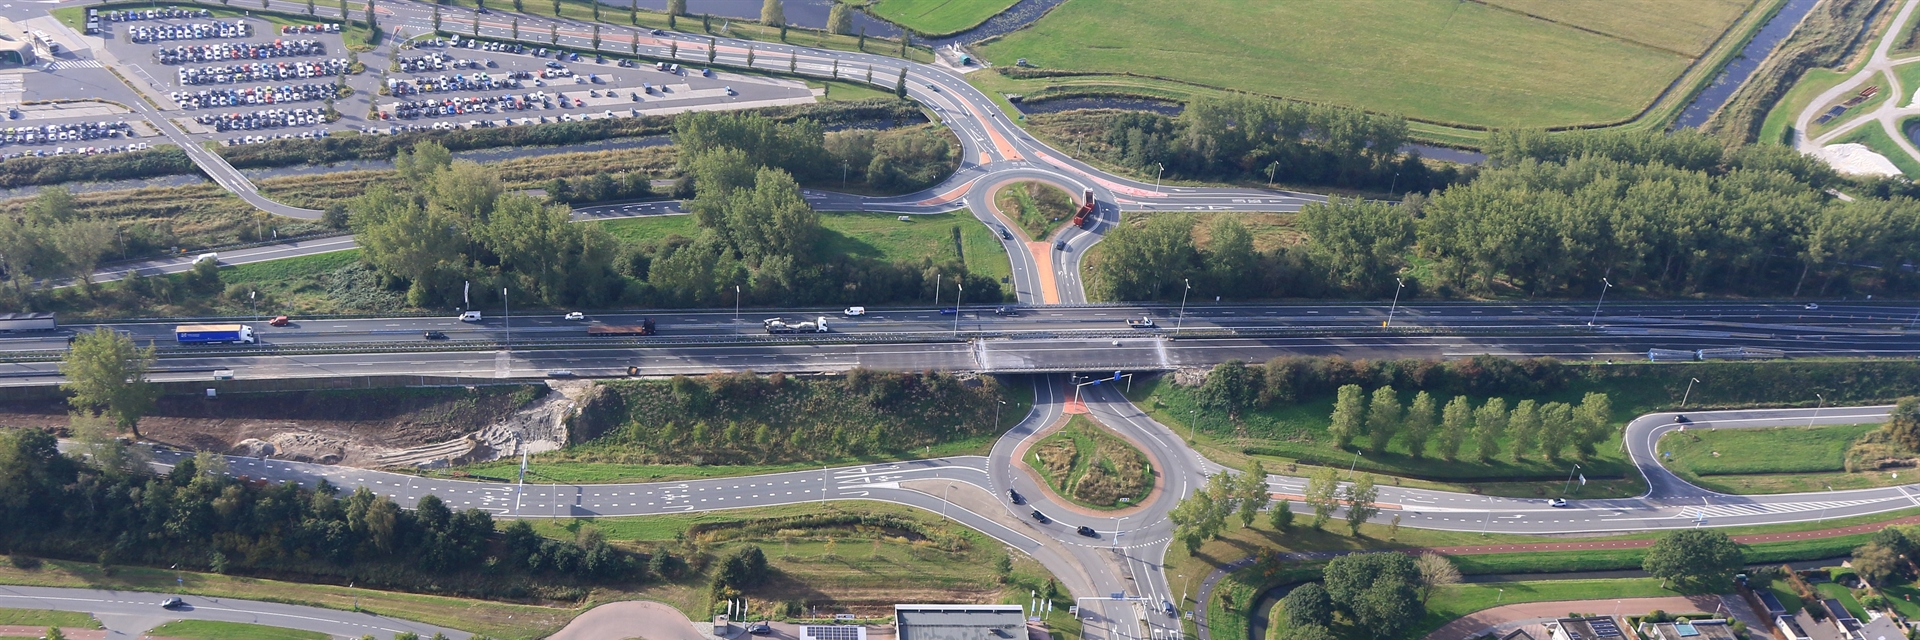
x=633, y=618
x=1888, y=115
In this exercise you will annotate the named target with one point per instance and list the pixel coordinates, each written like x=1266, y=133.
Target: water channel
x=1742, y=66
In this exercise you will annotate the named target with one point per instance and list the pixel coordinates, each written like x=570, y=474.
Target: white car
x=470, y=316
x=1813, y=306
x=207, y=257
x=1557, y=502
x=855, y=311
x=576, y=316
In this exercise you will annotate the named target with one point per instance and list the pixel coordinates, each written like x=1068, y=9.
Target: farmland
x=1576, y=63
x=939, y=17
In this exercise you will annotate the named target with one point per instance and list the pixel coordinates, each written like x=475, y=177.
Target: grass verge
x=48, y=618
x=1092, y=467
x=1779, y=460
x=213, y=630
x=1037, y=208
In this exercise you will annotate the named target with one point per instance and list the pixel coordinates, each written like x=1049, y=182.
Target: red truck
x=1084, y=217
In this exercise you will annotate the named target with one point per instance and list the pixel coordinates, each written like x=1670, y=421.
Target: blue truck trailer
x=213, y=334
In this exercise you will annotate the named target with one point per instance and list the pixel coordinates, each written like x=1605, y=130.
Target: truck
x=11, y=322
x=213, y=334
x=1084, y=216
x=645, y=328
x=776, y=325
x=1143, y=323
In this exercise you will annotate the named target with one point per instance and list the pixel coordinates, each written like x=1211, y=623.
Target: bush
x=164, y=160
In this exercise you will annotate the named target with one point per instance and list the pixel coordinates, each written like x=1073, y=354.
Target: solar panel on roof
x=831, y=633
x=1605, y=628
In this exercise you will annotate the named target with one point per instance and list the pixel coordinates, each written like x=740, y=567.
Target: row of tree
x=1548, y=428
x=1242, y=137
x=111, y=509
x=1234, y=386
x=52, y=242
x=1558, y=216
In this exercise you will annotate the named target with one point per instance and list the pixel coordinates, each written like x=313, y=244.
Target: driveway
x=630, y=619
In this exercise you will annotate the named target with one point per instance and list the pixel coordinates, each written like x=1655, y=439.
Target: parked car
x=279, y=321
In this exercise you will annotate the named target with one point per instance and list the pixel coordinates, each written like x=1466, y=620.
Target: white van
x=470, y=316
x=207, y=257
x=855, y=311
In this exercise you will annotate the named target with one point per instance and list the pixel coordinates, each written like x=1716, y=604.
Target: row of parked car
x=68, y=132
x=182, y=54
x=153, y=14
x=206, y=98
x=304, y=135
x=263, y=71
x=292, y=29
x=439, y=62
x=61, y=151
x=458, y=82
x=263, y=119
x=411, y=109
x=189, y=31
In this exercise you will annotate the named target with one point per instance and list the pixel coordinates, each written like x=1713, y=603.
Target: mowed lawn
x=1442, y=60
x=1749, y=451
x=210, y=630
x=939, y=17
x=1655, y=23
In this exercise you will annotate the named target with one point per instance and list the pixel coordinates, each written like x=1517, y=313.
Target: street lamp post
x=1270, y=169
x=506, y=314
x=1816, y=409
x=736, y=304
x=944, y=501
x=1182, y=322
x=1355, y=464
x=1603, y=299
x=1569, y=485
x=959, y=290
x=1823, y=506
x=1398, y=285
x=1489, y=521
x=1116, y=531
x=1689, y=393
x=1157, y=174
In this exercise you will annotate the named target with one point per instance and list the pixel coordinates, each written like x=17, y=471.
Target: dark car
x=1681, y=419
x=1040, y=516
x=482, y=11
x=947, y=311
x=1088, y=532
x=1005, y=311
x=172, y=603
x=1015, y=497
x=279, y=321
x=1061, y=245
x=657, y=32
x=759, y=628
x=434, y=335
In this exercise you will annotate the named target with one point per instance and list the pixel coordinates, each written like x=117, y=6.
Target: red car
x=279, y=321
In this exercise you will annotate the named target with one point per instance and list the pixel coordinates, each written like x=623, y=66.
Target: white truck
x=776, y=325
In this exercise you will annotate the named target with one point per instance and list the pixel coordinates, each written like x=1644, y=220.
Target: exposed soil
x=331, y=426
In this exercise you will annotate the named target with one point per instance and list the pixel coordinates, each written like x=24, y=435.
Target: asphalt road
x=129, y=614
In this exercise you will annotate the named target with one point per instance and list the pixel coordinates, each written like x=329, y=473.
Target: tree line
x=1234, y=386
x=1250, y=138
x=1529, y=427
x=50, y=242
x=1559, y=216
x=112, y=510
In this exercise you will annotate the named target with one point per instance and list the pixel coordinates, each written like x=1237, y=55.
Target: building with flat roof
x=1587, y=628
x=1691, y=630
x=959, y=621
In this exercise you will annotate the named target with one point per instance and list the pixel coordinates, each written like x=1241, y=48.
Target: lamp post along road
x=1398, y=285
x=1689, y=393
x=1182, y=321
x=1603, y=300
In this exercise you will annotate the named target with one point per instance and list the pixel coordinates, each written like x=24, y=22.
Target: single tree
x=1254, y=493
x=107, y=374
x=516, y=28
x=1435, y=571
x=1360, y=503
x=1693, y=558
x=1456, y=420
x=900, y=88
x=749, y=56
x=436, y=17
x=840, y=19
x=1281, y=516
x=773, y=13
x=1489, y=422
x=1523, y=427
x=1308, y=604
x=1383, y=419
x=676, y=7
x=1418, y=424
x=1876, y=563
x=1349, y=415
x=1594, y=420
x=713, y=48
x=1323, y=490
x=1557, y=429
x=53, y=633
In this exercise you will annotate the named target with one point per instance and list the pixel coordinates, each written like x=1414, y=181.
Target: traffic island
x=1084, y=464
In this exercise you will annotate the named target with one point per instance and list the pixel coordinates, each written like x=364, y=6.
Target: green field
x=1441, y=60
x=48, y=618
x=1037, y=208
x=939, y=17
x=1653, y=23
x=210, y=630
x=607, y=472
x=1780, y=119
x=1875, y=137
x=1720, y=452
